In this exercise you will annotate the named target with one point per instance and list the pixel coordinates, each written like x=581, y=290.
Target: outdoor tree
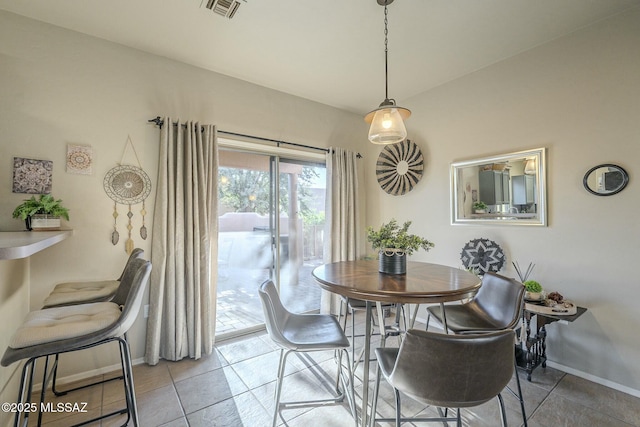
x=243, y=190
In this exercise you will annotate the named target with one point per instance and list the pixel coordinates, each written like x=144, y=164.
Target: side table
x=532, y=352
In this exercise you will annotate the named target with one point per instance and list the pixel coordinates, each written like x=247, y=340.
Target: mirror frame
x=541, y=188
x=625, y=179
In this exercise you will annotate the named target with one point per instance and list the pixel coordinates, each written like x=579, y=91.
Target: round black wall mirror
x=605, y=180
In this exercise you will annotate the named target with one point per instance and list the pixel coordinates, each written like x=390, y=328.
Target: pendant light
x=387, y=121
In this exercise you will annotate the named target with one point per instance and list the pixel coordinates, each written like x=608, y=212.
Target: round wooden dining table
x=424, y=283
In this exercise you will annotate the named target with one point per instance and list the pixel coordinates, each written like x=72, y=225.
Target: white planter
x=534, y=296
x=45, y=222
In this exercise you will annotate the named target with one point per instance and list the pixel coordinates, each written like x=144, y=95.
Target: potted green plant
x=480, y=207
x=394, y=244
x=41, y=214
x=533, y=290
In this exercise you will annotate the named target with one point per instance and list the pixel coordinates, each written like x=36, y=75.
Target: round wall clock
x=399, y=167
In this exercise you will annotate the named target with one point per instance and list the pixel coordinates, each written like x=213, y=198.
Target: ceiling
x=330, y=51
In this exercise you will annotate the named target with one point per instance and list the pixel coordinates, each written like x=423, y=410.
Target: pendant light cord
x=386, y=54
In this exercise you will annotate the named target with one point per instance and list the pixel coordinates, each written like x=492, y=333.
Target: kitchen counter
x=22, y=244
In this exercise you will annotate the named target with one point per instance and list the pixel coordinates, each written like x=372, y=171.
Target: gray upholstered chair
x=305, y=333
x=53, y=331
x=446, y=371
x=498, y=305
x=71, y=293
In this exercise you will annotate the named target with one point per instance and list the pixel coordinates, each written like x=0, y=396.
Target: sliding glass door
x=270, y=227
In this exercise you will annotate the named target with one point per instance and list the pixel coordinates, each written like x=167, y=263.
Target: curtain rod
x=159, y=122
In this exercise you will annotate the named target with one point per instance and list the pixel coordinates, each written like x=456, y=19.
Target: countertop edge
x=22, y=244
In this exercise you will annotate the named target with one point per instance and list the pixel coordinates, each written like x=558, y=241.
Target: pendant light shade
x=530, y=167
x=387, y=121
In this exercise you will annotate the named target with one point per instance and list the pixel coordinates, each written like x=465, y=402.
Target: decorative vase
x=392, y=261
x=42, y=222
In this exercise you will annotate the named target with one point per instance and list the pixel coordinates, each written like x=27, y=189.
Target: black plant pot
x=392, y=262
x=27, y=223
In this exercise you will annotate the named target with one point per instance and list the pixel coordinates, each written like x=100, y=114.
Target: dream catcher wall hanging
x=127, y=185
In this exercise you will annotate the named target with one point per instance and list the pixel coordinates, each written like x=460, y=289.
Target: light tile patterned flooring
x=234, y=387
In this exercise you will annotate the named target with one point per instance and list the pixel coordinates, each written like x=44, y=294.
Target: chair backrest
x=275, y=314
x=454, y=371
x=501, y=299
x=134, y=283
x=136, y=253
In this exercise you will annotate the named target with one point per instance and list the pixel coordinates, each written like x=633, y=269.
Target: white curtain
x=184, y=244
x=342, y=227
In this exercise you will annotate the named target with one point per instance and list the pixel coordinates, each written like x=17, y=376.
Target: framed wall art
x=32, y=176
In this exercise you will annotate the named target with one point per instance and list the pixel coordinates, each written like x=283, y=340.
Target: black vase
x=392, y=262
x=27, y=223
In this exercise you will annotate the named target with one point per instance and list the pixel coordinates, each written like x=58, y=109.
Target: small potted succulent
x=394, y=244
x=480, y=207
x=533, y=290
x=41, y=214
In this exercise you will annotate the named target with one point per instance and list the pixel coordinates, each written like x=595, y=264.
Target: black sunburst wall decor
x=399, y=167
x=482, y=255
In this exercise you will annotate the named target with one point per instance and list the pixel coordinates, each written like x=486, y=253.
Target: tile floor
x=234, y=387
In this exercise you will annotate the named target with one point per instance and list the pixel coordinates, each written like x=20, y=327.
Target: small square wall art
x=31, y=176
x=79, y=159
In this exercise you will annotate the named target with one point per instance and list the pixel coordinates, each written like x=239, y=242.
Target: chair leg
x=374, y=403
x=503, y=412
x=520, y=397
x=283, y=360
x=26, y=384
x=347, y=383
x=398, y=408
x=412, y=319
x=44, y=386
x=426, y=328
x=128, y=377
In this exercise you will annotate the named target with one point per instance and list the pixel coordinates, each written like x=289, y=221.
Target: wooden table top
x=423, y=282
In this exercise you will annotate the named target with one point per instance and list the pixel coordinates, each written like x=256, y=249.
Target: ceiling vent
x=226, y=8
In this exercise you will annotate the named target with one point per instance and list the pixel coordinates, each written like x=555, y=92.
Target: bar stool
x=497, y=306
x=446, y=371
x=53, y=331
x=305, y=333
x=71, y=293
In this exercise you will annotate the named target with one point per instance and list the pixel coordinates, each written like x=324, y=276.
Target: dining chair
x=446, y=371
x=305, y=333
x=54, y=331
x=71, y=293
x=497, y=305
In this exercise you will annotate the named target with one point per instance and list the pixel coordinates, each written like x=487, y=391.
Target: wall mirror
x=507, y=189
x=605, y=180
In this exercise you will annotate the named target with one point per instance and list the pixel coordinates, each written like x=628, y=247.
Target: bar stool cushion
x=54, y=324
x=71, y=293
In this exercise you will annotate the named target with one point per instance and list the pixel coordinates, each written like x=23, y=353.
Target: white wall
x=579, y=96
x=62, y=87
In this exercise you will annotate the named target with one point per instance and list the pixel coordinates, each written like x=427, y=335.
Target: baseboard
x=595, y=379
x=89, y=374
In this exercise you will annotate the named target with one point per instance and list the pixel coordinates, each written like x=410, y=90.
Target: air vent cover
x=226, y=8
